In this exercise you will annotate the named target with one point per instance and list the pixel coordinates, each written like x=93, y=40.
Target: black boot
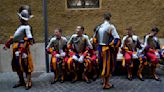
x=19, y=84
x=28, y=85
x=29, y=82
x=21, y=80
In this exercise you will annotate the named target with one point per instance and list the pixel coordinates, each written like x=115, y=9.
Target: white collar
x=106, y=22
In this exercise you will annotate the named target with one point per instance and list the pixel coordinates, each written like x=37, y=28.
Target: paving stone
x=41, y=83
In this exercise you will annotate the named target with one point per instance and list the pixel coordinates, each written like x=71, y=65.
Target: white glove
x=157, y=54
x=139, y=52
x=75, y=58
x=17, y=53
x=57, y=55
x=24, y=55
x=62, y=54
x=81, y=59
x=134, y=56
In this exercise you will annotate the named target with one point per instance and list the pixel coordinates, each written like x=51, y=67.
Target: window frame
x=66, y=7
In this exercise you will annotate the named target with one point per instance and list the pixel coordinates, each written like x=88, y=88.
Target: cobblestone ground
x=41, y=83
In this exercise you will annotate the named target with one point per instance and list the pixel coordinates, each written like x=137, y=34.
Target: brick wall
x=140, y=14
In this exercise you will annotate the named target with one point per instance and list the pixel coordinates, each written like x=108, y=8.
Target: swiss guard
x=130, y=45
x=57, y=48
x=149, y=53
x=108, y=39
x=21, y=41
x=78, y=46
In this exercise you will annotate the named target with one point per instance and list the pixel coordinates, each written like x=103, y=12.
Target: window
x=82, y=4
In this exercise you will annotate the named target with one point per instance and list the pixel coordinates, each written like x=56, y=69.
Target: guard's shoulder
x=74, y=35
x=85, y=35
x=97, y=27
x=147, y=35
x=64, y=38
x=25, y=26
x=125, y=36
x=53, y=38
x=135, y=37
x=112, y=25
